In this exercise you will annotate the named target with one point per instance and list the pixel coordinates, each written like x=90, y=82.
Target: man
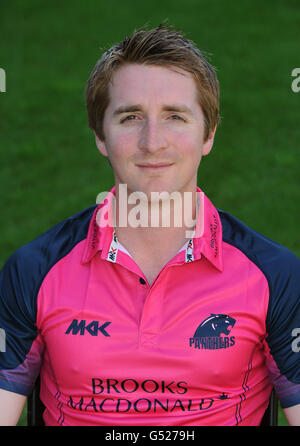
x=156, y=323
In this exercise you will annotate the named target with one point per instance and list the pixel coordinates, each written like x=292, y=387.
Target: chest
x=185, y=326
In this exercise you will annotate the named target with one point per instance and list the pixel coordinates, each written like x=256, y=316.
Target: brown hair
x=161, y=46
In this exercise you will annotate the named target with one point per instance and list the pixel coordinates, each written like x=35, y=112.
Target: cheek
x=129, y=140
x=122, y=145
x=189, y=148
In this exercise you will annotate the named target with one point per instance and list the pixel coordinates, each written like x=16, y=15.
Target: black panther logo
x=215, y=325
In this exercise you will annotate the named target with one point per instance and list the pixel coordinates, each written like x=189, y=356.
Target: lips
x=154, y=165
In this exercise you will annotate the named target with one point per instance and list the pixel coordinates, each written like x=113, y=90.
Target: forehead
x=144, y=83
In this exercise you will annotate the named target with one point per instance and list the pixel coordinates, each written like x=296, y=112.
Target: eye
x=177, y=118
x=128, y=118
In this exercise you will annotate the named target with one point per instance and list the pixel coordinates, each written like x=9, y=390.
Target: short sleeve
x=283, y=323
x=21, y=347
x=21, y=278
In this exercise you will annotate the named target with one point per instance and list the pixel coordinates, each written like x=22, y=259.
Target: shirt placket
x=151, y=297
x=153, y=310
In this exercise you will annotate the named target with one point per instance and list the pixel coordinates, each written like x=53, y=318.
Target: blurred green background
x=50, y=166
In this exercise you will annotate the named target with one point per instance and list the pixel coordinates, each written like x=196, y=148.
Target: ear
x=101, y=145
x=207, y=146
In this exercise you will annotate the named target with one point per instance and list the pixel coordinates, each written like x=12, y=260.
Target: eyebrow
x=138, y=107
x=127, y=109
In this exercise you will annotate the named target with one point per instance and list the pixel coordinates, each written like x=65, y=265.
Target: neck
x=163, y=222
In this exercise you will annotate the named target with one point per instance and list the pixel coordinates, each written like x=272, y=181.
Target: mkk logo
x=93, y=328
x=208, y=333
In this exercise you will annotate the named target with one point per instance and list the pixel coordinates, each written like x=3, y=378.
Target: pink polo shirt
x=202, y=345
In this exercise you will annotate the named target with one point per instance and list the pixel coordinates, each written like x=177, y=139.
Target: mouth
x=158, y=166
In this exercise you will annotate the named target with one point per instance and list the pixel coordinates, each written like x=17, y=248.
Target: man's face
x=154, y=129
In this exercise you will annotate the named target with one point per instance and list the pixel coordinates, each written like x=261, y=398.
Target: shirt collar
x=205, y=240
x=208, y=232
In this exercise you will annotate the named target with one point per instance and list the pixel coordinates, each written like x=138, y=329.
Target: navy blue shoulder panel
x=21, y=278
x=282, y=270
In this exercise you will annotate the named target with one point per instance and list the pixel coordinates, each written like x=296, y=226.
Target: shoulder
x=280, y=266
x=270, y=256
x=24, y=271
x=55, y=242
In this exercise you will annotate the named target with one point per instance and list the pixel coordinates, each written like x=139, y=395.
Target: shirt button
x=142, y=281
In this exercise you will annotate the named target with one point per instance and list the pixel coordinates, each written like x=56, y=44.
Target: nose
x=152, y=138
